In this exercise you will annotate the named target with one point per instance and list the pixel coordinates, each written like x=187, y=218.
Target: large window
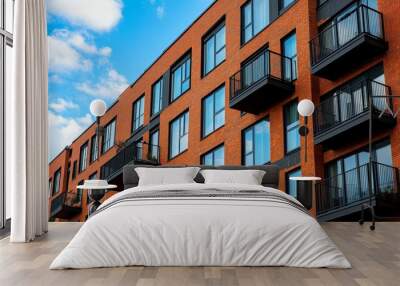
x=255, y=17
x=94, y=148
x=213, y=109
x=291, y=186
x=289, y=50
x=6, y=43
x=154, y=152
x=109, y=136
x=214, y=49
x=180, y=78
x=179, y=135
x=292, y=124
x=138, y=114
x=256, y=144
x=83, y=157
x=284, y=3
x=348, y=175
x=214, y=157
x=57, y=182
x=157, y=96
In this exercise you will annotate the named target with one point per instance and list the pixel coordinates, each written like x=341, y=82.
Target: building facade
x=226, y=92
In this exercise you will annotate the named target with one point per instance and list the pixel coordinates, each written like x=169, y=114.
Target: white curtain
x=26, y=124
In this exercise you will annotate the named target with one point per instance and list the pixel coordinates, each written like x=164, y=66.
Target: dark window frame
x=209, y=35
x=83, y=162
x=151, y=143
x=294, y=62
x=181, y=115
x=141, y=102
x=187, y=57
x=203, y=135
x=285, y=125
x=243, y=153
x=160, y=81
x=56, y=183
x=74, y=169
x=103, y=150
x=212, y=151
x=288, y=174
x=94, y=149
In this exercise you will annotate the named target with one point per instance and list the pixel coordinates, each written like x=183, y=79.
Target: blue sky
x=98, y=47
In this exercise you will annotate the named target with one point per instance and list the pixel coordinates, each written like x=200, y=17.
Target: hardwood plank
x=375, y=257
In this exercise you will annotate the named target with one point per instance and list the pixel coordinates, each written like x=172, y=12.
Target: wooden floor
x=375, y=257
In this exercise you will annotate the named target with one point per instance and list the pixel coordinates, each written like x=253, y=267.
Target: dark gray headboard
x=271, y=177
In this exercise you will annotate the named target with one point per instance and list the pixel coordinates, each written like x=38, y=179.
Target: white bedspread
x=188, y=231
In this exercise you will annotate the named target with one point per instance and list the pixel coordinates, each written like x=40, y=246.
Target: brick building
x=226, y=92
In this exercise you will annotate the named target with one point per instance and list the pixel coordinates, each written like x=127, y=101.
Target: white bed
x=222, y=225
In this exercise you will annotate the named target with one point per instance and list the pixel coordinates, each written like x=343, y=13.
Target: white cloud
x=61, y=105
x=55, y=78
x=97, y=15
x=63, y=130
x=109, y=86
x=160, y=10
x=80, y=41
x=63, y=58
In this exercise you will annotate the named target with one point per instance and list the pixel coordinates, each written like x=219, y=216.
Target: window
x=94, y=148
x=292, y=124
x=74, y=170
x=213, y=109
x=349, y=174
x=289, y=50
x=214, y=49
x=138, y=114
x=154, y=151
x=83, y=157
x=214, y=157
x=50, y=187
x=91, y=177
x=57, y=181
x=291, y=186
x=109, y=136
x=256, y=142
x=284, y=3
x=6, y=63
x=181, y=78
x=157, y=96
x=178, y=135
x=68, y=174
x=255, y=17
x=139, y=149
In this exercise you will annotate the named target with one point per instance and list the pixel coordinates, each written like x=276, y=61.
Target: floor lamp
x=305, y=108
x=372, y=109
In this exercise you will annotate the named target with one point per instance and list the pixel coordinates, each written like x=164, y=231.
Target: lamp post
x=98, y=109
x=305, y=108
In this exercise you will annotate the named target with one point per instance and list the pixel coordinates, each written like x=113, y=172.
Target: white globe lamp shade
x=98, y=107
x=305, y=107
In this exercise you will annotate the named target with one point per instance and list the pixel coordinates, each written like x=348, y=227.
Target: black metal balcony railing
x=353, y=187
x=350, y=102
x=362, y=20
x=134, y=152
x=267, y=64
x=65, y=200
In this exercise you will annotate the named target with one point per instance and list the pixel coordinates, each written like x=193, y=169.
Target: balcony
x=344, y=194
x=133, y=153
x=265, y=80
x=347, y=43
x=346, y=113
x=66, y=205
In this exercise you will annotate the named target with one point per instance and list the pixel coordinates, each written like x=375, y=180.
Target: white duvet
x=203, y=231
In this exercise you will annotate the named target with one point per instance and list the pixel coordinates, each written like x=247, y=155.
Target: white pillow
x=166, y=176
x=248, y=177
